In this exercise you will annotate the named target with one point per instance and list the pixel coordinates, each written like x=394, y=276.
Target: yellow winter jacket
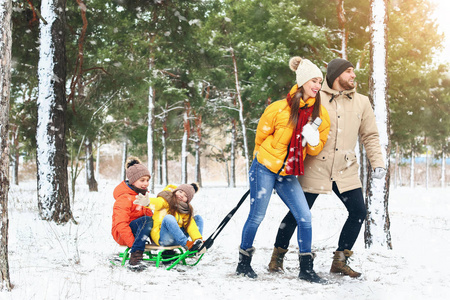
x=273, y=133
x=160, y=209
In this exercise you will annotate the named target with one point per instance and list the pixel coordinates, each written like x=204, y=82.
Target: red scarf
x=294, y=162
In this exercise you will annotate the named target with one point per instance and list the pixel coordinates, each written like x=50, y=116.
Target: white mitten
x=379, y=173
x=142, y=200
x=310, y=135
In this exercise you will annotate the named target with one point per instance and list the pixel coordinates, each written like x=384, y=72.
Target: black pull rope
x=210, y=241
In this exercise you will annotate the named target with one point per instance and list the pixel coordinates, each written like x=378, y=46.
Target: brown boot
x=340, y=264
x=136, y=257
x=276, y=262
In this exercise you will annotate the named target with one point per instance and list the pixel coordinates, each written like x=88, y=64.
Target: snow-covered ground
x=48, y=261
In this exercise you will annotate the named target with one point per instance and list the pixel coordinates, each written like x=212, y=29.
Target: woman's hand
x=310, y=135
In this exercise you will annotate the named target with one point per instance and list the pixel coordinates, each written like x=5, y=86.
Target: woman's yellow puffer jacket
x=160, y=208
x=273, y=133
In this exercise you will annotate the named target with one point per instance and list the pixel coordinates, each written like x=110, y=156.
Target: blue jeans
x=262, y=182
x=141, y=230
x=171, y=233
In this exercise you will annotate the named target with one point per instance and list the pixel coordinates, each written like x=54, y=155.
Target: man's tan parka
x=351, y=115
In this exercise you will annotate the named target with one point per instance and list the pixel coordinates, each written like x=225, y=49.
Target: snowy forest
x=182, y=84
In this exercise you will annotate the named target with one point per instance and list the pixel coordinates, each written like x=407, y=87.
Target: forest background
x=209, y=69
x=172, y=81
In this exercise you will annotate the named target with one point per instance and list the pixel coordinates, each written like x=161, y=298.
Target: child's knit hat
x=136, y=170
x=189, y=189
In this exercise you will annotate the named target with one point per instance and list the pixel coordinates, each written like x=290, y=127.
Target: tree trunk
x=5, y=83
x=241, y=110
x=363, y=167
x=232, y=181
x=412, y=167
x=92, y=183
x=97, y=163
x=165, y=177
x=443, y=169
x=124, y=159
x=184, y=152
x=342, y=26
x=396, y=167
x=198, y=140
x=377, y=232
x=427, y=167
x=159, y=170
x=53, y=192
x=150, y=130
x=15, y=155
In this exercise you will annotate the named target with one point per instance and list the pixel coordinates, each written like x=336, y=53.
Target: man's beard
x=345, y=84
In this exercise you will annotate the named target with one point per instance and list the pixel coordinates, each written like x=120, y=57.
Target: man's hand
x=379, y=173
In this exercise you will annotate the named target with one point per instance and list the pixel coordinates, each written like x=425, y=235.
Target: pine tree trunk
x=150, y=130
x=165, y=177
x=377, y=231
x=16, y=158
x=232, y=181
x=241, y=110
x=92, y=183
x=5, y=83
x=427, y=167
x=396, y=167
x=124, y=160
x=412, y=167
x=198, y=140
x=53, y=192
x=97, y=163
x=443, y=169
x=342, y=26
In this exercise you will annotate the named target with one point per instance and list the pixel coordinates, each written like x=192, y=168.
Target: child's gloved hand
x=194, y=245
x=142, y=200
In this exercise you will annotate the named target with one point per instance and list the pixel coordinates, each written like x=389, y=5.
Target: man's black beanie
x=335, y=68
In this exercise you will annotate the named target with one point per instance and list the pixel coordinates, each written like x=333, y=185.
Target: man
x=336, y=168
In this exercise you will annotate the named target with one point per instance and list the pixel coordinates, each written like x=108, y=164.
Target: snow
x=49, y=261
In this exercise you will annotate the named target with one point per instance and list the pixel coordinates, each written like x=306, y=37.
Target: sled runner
x=172, y=255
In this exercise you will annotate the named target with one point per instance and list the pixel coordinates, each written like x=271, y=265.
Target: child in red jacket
x=131, y=223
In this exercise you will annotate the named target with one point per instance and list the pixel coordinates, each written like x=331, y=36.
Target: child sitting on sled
x=131, y=223
x=173, y=217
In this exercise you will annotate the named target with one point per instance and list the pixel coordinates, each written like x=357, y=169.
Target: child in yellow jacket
x=173, y=217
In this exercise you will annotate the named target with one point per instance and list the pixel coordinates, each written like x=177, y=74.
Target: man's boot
x=245, y=258
x=276, y=262
x=307, y=269
x=340, y=264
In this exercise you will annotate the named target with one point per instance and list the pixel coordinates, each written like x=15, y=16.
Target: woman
x=278, y=159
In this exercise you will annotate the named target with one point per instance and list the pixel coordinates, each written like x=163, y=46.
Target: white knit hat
x=304, y=69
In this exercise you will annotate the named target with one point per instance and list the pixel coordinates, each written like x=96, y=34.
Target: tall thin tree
x=5, y=82
x=377, y=232
x=53, y=191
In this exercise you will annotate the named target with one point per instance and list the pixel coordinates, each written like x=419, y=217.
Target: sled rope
x=209, y=242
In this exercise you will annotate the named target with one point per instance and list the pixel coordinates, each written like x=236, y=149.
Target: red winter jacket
x=124, y=212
